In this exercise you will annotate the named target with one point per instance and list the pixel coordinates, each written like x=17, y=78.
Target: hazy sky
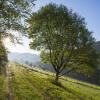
x=89, y=9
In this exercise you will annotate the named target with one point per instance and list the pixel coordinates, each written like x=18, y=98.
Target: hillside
x=27, y=83
x=97, y=46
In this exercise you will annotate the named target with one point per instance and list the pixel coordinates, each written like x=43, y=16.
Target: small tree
x=3, y=58
x=26, y=62
x=63, y=39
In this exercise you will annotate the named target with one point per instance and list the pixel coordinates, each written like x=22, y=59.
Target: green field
x=35, y=84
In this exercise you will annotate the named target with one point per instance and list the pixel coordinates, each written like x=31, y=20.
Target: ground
x=27, y=83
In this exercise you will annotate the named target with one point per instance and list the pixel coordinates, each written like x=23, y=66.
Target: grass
x=23, y=89
x=3, y=88
x=30, y=85
x=34, y=84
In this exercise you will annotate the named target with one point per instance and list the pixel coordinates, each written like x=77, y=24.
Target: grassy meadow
x=35, y=84
x=32, y=85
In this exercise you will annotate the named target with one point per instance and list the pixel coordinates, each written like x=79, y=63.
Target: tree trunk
x=57, y=77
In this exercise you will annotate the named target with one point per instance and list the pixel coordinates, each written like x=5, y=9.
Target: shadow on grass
x=78, y=94
x=59, y=84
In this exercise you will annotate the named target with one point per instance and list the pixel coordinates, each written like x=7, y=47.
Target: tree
x=26, y=62
x=12, y=16
x=63, y=38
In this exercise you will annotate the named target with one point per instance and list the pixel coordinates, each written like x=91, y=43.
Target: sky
x=89, y=9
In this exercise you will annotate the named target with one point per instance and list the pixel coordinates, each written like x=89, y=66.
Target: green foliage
x=86, y=60
x=12, y=15
x=3, y=58
x=2, y=50
x=63, y=38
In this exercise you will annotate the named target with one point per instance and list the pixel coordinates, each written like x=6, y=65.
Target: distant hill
x=97, y=46
x=29, y=59
x=23, y=57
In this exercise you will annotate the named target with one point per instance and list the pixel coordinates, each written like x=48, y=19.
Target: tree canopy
x=63, y=38
x=12, y=15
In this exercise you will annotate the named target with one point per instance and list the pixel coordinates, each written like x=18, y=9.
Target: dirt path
x=9, y=80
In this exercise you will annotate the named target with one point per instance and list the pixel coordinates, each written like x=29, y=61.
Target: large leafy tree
x=63, y=38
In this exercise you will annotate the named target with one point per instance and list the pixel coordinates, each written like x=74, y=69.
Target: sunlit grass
x=31, y=85
x=3, y=88
x=23, y=90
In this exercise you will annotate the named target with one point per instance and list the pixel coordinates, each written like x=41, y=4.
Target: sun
x=7, y=42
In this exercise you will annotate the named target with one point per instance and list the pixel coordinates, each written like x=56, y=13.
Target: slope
x=35, y=84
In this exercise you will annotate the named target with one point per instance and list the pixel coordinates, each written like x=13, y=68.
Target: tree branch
x=67, y=72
